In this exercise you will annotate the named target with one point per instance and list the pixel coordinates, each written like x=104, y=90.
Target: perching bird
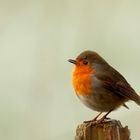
x=99, y=86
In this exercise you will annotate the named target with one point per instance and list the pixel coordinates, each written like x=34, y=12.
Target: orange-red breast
x=99, y=86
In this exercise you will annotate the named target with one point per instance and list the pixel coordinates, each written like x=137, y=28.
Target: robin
x=99, y=86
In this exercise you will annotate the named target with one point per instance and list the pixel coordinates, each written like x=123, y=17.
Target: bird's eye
x=85, y=62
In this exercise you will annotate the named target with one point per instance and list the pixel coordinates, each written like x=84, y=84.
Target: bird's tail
x=137, y=100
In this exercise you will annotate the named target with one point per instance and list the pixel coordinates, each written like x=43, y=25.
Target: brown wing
x=115, y=82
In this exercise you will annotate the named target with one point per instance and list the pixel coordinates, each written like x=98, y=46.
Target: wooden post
x=107, y=130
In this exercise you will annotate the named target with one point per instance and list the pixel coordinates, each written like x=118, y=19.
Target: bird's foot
x=93, y=120
x=90, y=122
x=97, y=121
x=103, y=119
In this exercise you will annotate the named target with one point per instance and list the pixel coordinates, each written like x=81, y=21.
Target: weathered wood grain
x=107, y=130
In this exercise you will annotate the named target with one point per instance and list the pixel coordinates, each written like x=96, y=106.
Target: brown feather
x=115, y=82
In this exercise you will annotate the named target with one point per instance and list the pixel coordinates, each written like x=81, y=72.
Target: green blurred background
x=37, y=100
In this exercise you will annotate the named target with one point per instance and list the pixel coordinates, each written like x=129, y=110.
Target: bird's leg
x=97, y=117
x=93, y=120
x=104, y=117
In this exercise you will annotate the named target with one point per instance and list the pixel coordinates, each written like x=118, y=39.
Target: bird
x=99, y=86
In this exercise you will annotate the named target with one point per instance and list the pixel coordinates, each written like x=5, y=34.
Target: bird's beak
x=72, y=61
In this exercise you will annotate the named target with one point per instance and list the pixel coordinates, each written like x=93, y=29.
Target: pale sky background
x=37, y=101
